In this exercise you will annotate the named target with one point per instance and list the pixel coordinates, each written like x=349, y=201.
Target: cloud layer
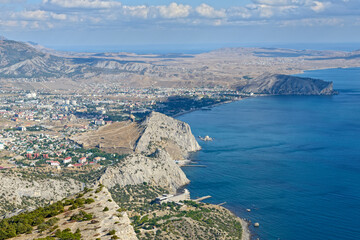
x=109, y=13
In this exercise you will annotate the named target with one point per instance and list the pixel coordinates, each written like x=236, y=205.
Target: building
x=67, y=160
x=2, y=146
x=82, y=160
x=98, y=159
x=29, y=151
x=54, y=163
x=185, y=195
x=22, y=129
x=99, y=122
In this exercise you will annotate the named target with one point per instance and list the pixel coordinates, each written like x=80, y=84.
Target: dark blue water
x=293, y=160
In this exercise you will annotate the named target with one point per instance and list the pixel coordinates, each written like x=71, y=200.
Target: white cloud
x=34, y=15
x=140, y=11
x=174, y=10
x=314, y=22
x=58, y=16
x=83, y=3
x=112, y=14
x=319, y=6
x=39, y=15
x=205, y=10
x=279, y=2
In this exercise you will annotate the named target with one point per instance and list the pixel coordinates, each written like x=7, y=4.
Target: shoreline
x=210, y=106
x=245, y=233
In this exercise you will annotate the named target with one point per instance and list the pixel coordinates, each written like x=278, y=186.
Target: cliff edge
x=168, y=133
x=158, y=169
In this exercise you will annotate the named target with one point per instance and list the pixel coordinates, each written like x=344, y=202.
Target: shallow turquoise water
x=293, y=160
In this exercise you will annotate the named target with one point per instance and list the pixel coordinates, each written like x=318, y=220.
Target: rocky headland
x=147, y=172
x=278, y=84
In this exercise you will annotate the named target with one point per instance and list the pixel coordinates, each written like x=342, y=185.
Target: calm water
x=293, y=160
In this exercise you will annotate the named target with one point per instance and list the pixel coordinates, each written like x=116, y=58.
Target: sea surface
x=293, y=160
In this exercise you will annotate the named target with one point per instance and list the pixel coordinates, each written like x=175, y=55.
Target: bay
x=293, y=160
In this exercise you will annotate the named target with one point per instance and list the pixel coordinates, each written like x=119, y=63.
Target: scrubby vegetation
x=189, y=220
x=44, y=219
x=24, y=222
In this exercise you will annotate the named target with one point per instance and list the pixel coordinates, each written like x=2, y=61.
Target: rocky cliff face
x=162, y=131
x=163, y=140
x=277, y=84
x=19, y=192
x=159, y=169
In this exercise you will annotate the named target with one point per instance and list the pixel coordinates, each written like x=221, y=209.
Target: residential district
x=36, y=126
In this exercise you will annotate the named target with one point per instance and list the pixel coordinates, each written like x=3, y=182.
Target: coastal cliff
x=162, y=131
x=278, y=84
x=158, y=169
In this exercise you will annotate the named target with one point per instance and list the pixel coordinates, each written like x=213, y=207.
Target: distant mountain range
x=237, y=68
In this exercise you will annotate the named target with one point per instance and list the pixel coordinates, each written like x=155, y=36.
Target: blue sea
x=293, y=160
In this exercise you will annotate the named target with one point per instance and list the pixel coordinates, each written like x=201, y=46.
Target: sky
x=90, y=23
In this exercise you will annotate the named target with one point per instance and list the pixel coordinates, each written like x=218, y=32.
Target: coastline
x=245, y=234
x=245, y=230
x=210, y=106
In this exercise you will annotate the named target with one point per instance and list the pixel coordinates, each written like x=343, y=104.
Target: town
x=37, y=126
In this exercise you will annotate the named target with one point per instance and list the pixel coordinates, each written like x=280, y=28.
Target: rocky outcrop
x=101, y=224
x=20, y=192
x=158, y=169
x=162, y=131
x=278, y=84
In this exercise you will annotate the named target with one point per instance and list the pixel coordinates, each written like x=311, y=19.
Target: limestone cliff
x=278, y=84
x=162, y=131
x=22, y=192
x=159, y=169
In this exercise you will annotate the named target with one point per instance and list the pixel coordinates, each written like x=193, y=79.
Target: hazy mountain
x=240, y=67
x=278, y=84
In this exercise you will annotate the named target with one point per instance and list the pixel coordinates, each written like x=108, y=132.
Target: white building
x=67, y=160
x=2, y=146
x=82, y=160
x=185, y=195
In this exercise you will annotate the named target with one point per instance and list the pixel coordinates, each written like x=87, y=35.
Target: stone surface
x=20, y=192
x=173, y=135
x=159, y=169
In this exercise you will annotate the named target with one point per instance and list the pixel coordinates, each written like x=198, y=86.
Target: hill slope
x=278, y=84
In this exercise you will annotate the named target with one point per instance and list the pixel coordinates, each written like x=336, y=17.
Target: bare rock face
x=18, y=192
x=278, y=84
x=162, y=131
x=159, y=169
